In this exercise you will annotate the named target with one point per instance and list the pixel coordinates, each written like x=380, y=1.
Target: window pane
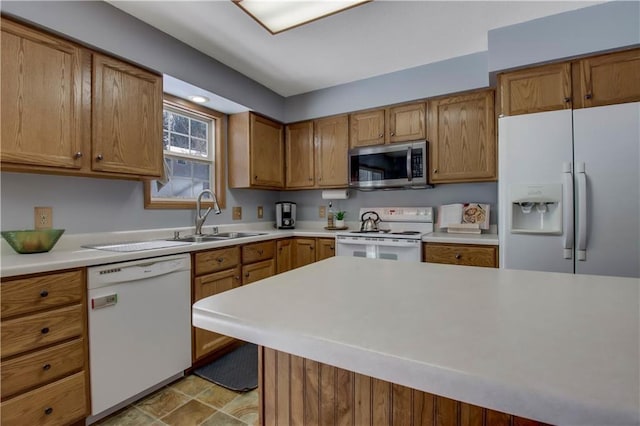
x=199, y=147
x=201, y=171
x=198, y=129
x=180, y=124
x=165, y=140
x=182, y=168
x=166, y=117
x=180, y=142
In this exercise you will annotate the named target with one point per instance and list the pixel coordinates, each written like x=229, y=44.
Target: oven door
x=379, y=248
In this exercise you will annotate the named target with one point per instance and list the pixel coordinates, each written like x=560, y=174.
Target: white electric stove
x=398, y=235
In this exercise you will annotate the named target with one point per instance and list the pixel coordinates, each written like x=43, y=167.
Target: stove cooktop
x=387, y=231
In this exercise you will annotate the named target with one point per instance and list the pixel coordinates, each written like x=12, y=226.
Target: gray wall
x=453, y=75
x=100, y=205
x=591, y=29
x=309, y=202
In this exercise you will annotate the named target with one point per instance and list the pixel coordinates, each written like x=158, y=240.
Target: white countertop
x=478, y=239
x=68, y=252
x=558, y=348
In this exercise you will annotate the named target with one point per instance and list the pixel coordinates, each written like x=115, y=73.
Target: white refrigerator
x=569, y=191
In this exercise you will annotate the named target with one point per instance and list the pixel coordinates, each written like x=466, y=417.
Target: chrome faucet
x=200, y=218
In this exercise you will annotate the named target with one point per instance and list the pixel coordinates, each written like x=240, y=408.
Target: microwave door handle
x=409, y=167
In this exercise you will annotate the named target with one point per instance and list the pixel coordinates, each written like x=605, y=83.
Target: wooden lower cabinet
x=284, y=252
x=258, y=271
x=296, y=252
x=461, y=254
x=299, y=391
x=304, y=252
x=326, y=248
x=44, y=366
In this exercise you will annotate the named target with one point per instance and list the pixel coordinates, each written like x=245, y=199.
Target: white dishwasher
x=139, y=328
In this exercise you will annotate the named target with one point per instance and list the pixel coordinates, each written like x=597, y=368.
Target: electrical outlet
x=43, y=217
x=323, y=212
x=260, y=212
x=237, y=213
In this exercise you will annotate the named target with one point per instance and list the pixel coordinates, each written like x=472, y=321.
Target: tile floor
x=190, y=401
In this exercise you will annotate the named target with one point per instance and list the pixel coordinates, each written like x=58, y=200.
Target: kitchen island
x=556, y=348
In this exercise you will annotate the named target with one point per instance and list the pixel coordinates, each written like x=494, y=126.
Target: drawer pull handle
x=46, y=367
x=45, y=330
x=458, y=256
x=48, y=410
x=44, y=293
x=220, y=259
x=260, y=252
x=246, y=275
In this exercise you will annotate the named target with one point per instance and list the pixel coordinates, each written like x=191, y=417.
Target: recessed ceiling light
x=277, y=16
x=199, y=99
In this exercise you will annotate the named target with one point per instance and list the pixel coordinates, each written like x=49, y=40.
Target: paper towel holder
x=335, y=194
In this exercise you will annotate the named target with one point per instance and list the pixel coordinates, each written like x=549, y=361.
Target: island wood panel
x=461, y=254
x=299, y=391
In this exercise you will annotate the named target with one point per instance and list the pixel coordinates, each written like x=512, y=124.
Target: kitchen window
x=193, y=151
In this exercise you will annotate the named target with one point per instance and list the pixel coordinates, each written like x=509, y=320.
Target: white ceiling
x=369, y=40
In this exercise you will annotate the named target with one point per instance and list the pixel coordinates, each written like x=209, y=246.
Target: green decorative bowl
x=25, y=242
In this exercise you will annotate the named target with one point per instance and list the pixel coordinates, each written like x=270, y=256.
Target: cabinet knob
x=255, y=177
x=319, y=178
x=331, y=248
x=458, y=256
x=99, y=157
x=44, y=293
x=46, y=367
x=237, y=277
x=220, y=260
x=260, y=252
x=393, y=133
x=567, y=100
x=310, y=178
x=435, y=170
x=246, y=275
x=310, y=248
x=588, y=96
x=77, y=155
x=48, y=410
x=44, y=330
x=381, y=135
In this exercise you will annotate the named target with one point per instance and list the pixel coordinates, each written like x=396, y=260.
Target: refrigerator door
x=606, y=141
x=533, y=149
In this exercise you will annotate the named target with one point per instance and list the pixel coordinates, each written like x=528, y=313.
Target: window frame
x=219, y=159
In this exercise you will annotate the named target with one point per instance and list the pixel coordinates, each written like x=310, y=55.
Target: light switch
x=260, y=212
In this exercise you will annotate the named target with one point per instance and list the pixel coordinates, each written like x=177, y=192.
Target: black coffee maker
x=285, y=215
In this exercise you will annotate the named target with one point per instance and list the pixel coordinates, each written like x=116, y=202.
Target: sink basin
x=238, y=234
x=199, y=238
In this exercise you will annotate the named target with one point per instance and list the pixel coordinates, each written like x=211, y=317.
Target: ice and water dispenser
x=536, y=208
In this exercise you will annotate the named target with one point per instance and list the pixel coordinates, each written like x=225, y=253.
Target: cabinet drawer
x=258, y=251
x=37, y=293
x=34, y=331
x=258, y=271
x=216, y=260
x=41, y=367
x=58, y=403
x=457, y=254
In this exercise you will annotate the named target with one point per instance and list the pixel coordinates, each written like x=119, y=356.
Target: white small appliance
x=285, y=215
x=569, y=191
x=398, y=235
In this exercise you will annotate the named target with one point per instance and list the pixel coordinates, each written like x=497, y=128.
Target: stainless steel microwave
x=389, y=166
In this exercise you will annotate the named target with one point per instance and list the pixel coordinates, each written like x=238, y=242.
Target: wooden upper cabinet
x=609, y=79
x=366, y=128
x=406, y=122
x=462, y=138
x=331, y=151
x=41, y=102
x=256, y=152
x=299, y=155
x=127, y=118
x=538, y=89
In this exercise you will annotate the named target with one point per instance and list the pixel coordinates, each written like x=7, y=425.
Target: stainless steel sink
x=238, y=234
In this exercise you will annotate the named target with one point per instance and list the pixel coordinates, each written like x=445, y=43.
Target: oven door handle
x=379, y=242
x=409, y=165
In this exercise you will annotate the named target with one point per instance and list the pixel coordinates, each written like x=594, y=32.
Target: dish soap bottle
x=330, y=217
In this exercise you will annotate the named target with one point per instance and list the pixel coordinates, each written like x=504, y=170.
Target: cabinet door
x=127, y=118
x=326, y=248
x=205, y=341
x=305, y=252
x=462, y=138
x=545, y=88
x=41, y=99
x=610, y=79
x=284, y=260
x=266, y=152
x=407, y=122
x=258, y=271
x=367, y=128
x=299, y=155
x=331, y=135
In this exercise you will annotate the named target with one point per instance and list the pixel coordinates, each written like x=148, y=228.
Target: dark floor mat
x=237, y=370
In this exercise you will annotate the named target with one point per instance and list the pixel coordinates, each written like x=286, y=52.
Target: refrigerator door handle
x=581, y=246
x=568, y=212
